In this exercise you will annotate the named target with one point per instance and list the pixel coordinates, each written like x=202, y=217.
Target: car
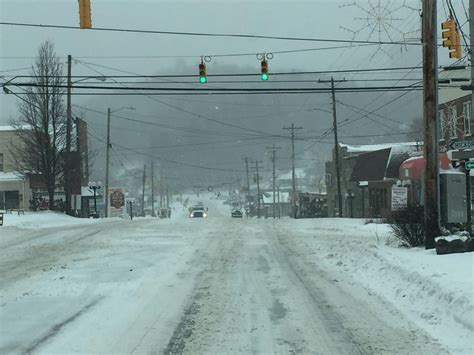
x=236, y=213
x=197, y=211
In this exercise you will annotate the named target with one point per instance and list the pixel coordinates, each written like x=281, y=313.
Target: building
x=15, y=192
x=367, y=174
x=455, y=108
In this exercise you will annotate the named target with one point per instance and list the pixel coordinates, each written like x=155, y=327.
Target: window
x=452, y=122
x=442, y=121
x=328, y=180
x=467, y=108
x=1, y=162
x=406, y=172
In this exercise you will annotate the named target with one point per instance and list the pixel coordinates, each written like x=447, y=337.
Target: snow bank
x=434, y=291
x=45, y=219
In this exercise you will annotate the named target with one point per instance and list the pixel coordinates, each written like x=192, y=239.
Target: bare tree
x=41, y=123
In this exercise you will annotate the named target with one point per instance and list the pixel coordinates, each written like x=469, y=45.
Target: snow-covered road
x=216, y=285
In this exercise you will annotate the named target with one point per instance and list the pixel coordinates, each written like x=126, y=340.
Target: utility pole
x=258, y=187
x=336, y=149
x=248, y=179
x=279, y=206
x=293, y=175
x=143, y=191
x=430, y=118
x=273, y=150
x=107, y=163
x=152, y=191
x=67, y=163
x=471, y=36
x=161, y=189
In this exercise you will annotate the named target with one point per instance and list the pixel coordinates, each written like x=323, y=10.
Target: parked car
x=198, y=211
x=236, y=214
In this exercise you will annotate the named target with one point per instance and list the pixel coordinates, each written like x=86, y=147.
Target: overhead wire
x=208, y=34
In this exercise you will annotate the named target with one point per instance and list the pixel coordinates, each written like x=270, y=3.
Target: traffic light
x=264, y=75
x=85, y=14
x=202, y=73
x=451, y=38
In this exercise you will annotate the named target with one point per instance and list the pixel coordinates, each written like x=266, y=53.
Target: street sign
x=460, y=154
x=461, y=145
x=469, y=165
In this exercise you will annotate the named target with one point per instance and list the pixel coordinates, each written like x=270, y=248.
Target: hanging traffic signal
x=264, y=75
x=85, y=14
x=451, y=38
x=202, y=73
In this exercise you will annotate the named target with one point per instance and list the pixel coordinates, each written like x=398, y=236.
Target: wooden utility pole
x=67, y=163
x=152, y=191
x=273, y=149
x=107, y=163
x=258, y=187
x=336, y=149
x=293, y=174
x=471, y=29
x=430, y=118
x=143, y=191
x=161, y=189
x=279, y=205
x=248, y=179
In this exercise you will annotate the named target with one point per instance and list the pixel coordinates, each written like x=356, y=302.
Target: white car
x=198, y=212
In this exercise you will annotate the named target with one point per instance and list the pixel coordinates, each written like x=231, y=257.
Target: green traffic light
x=264, y=76
x=202, y=79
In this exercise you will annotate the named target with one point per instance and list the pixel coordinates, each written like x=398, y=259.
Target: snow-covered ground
x=222, y=285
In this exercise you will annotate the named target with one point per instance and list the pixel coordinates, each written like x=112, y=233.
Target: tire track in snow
x=56, y=329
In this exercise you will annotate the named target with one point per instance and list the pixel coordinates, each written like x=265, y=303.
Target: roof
x=14, y=128
x=453, y=92
x=13, y=176
x=299, y=172
x=268, y=197
x=371, y=166
x=373, y=147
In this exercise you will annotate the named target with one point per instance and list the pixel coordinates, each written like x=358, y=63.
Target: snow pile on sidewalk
x=44, y=219
x=434, y=291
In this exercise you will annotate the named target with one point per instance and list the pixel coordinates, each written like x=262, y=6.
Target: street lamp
x=95, y=186
x=107, y=158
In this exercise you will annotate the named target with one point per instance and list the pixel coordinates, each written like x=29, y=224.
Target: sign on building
x=399, y=198
x=117, y=202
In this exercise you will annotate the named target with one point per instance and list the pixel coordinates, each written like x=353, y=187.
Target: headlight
x=191, y=215
x=205, y=215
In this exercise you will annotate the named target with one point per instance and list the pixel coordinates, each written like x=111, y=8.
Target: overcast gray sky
x=312, y=19
x=315, y=18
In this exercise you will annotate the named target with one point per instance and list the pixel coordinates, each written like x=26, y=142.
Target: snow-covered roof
x=299, y=172
x=453, y=92
x=12, y=128
x=284, y=197
x=373, y=147
x=12, y=176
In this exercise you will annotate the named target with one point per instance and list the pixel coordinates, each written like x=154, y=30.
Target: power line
x=215, y=55
x=135, y=76
x=241, y=89
x=208, y=34
x=167, y=160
